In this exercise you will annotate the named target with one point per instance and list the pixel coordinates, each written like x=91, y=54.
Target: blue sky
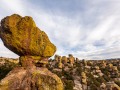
x=87, y=29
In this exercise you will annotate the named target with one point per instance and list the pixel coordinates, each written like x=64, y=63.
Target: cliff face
x=23, y=37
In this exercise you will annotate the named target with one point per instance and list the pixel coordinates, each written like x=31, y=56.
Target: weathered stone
x=102, y=86
x=112, y=86
x=60, y=65
x=56, y=57
x=23, y=37
x=20, y=35
x=83, y=75
x=71, y=59
x=59, y=62
x=78, y=85
x=35, y=79
x=84, y=79
x=59, y=59
x=84, y=62
x=77, y=60
x=64, y=59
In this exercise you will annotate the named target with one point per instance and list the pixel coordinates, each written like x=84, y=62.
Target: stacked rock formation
x=59, y=62
x=23, y=37
x=77, y=60
x=84, y=79
x=64, y=59
x=71, y=59
x=56, y=58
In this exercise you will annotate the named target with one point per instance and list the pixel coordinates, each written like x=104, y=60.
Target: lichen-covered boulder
x=23, y=37
x=35, y=79
x=64, y=59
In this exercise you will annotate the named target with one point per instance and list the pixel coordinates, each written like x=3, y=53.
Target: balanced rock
x=23, y=37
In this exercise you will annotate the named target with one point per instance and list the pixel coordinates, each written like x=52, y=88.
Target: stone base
x=31, y=79
x=31, y=61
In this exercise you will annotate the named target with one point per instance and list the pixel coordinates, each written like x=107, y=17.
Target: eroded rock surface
x=23, y=37
x=35, y=79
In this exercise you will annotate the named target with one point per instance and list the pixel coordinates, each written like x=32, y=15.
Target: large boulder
x=23, y=37
x=33, y=79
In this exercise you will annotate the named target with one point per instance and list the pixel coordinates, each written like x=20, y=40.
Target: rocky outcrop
x=84, y=78
x=64, y=60
x=33, y=79
x=23, y=37
x=56, y=58
x=71, y=59
x=78, y=85
x=59, y=62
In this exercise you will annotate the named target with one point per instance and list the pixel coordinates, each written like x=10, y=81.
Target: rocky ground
x=82, y=75
x=34, y=71
x=86, y=74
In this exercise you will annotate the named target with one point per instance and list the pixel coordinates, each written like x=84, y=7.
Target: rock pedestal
x=84, y=79
x=71, y=59
x=56, y=58
x=60, y=62
x=23, y=37
x=64, y=60
x=77, y=60
x=31, y=79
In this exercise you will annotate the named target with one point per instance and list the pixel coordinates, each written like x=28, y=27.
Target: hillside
x=77, y=74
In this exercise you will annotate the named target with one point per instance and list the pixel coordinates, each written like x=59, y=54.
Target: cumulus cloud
x=87, y=29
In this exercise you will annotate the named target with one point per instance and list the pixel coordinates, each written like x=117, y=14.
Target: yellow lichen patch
x=48, y=51
x=47, y=80
x=4, y=87
x=35, y=73
x=23, y=37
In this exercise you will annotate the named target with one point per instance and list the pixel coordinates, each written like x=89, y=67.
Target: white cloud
x=102, y=28
x=13, y=6
x=4, y=52
x=91, y=32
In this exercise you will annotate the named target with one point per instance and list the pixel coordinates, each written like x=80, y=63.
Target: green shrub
x=6, y=68
x=69, y=85
x=93, y=87
x=118, y=83
x=67, y=75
